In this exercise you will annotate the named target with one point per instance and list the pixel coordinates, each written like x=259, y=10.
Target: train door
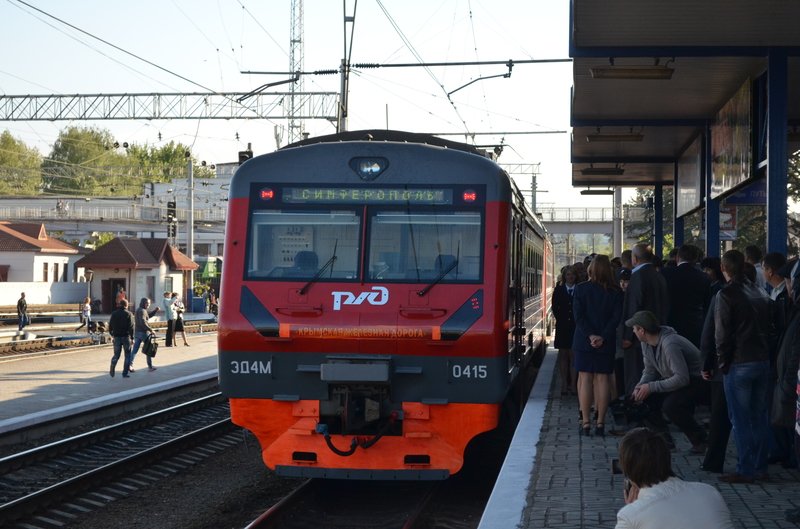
x=516, y=294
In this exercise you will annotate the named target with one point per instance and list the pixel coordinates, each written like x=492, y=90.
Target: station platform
x=554, y=478
x=41, y=387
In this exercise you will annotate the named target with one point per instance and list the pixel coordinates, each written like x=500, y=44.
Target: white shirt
x=676, y=504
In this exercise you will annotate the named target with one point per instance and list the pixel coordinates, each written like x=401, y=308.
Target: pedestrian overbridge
x=586, y=220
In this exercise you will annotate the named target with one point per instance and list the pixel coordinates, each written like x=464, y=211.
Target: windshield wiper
x=441, y=276
x=321, y=270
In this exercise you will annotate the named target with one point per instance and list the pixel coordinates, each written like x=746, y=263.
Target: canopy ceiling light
x=632, y=72
x=633, y=136
x=597, y=192
x=602, y=171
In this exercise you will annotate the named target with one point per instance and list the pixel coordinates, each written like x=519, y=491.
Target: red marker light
x=470, y=196
x=267, y=194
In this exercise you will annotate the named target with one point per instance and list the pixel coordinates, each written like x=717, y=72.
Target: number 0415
x=469, y=371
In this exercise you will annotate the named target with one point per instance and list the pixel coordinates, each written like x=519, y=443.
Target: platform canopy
x=650, y=75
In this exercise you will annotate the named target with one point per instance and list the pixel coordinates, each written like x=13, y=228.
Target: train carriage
x=381, y=294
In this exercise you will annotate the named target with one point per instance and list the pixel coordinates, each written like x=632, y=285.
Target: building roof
x=711, y=49
x=30, y=237
x=138, y=254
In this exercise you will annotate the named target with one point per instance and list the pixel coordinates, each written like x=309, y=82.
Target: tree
x=19, y=167
x=82, y=162
x=99, y=238
x=642, y=230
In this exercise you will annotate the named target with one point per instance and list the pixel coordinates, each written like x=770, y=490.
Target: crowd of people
x=653, y=339
x=130, y=331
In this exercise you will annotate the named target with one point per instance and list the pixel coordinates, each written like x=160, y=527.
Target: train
x=382, y=294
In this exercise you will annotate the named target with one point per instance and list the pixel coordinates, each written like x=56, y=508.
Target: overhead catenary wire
x=375, y=65
x=135, y=56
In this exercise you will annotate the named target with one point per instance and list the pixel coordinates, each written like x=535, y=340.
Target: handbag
x=150, y=345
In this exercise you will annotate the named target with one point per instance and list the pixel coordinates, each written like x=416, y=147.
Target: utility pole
x=190, y=230
x=344, y=69
x=296, y=66
x=616, y=221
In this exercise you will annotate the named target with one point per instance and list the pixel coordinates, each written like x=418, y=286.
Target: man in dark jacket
x=121, y=326
x=647, y=290
x=689, y=290
x=743, y=329
x=671, y=378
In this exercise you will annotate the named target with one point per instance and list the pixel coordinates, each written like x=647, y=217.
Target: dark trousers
x=634, y=365
x=678, y=406
x=170, y=333
x=619, y=376
x=719, y=429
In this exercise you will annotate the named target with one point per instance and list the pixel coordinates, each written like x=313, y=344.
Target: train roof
x=393, y=136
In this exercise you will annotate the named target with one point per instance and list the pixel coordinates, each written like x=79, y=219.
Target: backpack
x=150, y=346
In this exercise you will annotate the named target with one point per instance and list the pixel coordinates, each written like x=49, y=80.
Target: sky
x=200, y=45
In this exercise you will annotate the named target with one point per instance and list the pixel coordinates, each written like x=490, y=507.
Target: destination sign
x=361, y=195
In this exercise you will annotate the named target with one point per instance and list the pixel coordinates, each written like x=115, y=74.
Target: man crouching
x=671, y=380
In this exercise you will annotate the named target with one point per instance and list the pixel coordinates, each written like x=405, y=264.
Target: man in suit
x=689, y=294
x=647, y=290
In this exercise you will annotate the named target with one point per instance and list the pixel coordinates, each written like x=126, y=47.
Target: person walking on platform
x=120, y=326
x=169, y=315
x=743, y=328
x=86, y=314
x=22, y=311
x=142, y=330
x=565, y=329
x=597, y=305
x=655, y=498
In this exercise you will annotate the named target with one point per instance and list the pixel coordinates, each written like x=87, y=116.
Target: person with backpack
x=142, y=331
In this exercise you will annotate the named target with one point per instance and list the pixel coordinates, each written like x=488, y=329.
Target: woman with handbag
x=142, y=330
x=179, y=310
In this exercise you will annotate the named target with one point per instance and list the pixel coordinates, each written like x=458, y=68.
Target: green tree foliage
x=642, y=230
x=19, y=167
x=99, y=238
x=89, y=162
x=82, y=162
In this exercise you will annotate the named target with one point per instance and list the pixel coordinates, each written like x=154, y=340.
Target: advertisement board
x=730, y=143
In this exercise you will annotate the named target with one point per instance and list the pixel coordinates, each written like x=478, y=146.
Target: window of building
x=45, y=270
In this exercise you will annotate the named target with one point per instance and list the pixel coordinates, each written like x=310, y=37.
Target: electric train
x=382, y=294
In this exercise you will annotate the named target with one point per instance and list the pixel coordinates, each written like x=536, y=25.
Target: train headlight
x=369, y=168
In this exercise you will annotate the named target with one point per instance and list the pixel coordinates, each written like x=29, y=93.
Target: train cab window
x=296, y=245
x=419, y=246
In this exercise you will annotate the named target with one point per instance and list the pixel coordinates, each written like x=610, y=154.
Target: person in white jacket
x=655, y=498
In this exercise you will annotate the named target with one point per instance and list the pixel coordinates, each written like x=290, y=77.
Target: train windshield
x=294, y=244
x=416, y=247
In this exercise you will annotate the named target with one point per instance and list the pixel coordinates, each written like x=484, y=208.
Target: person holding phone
x=655, y=498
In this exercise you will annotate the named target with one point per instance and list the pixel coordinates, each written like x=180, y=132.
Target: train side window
x=285, y=244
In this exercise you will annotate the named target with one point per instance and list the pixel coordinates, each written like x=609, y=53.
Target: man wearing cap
x=743, y=321
x=671, y=379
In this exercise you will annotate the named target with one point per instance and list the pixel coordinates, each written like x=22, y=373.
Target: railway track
x=49, y=485
x=336, y=504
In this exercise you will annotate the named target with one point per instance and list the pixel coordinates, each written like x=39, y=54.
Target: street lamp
x=89, y=274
